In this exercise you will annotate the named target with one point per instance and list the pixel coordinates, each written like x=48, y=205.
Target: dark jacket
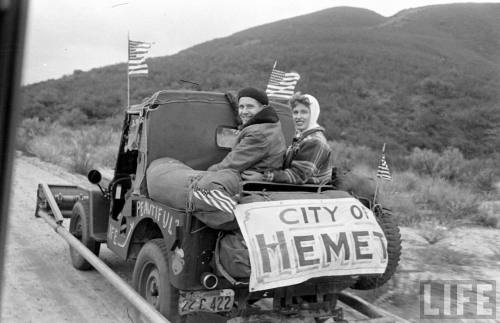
x=308, y=160
x=259, y=146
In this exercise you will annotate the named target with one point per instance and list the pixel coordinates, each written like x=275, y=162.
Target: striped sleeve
x=304, y=164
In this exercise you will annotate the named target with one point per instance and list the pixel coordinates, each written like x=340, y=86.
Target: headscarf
x=314, y=112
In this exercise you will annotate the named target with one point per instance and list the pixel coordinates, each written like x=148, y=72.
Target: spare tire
x=391, y=230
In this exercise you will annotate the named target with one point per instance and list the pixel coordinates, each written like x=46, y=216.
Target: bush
x=449, y=202
x=347, y=157
x=450, y=164
x=398, y=196
x=482, y=175
x=78, y=150
x=416, y=199
x=423, y=161
x=28, y=130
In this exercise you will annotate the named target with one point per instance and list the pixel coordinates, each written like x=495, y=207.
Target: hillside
x=426, y=77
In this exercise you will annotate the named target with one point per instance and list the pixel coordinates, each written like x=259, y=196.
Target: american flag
x=281, y=85
x=383, y=169
x=137, y=52
x=215, y=198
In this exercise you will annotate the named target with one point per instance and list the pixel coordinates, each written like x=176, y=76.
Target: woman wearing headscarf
x=309, y=158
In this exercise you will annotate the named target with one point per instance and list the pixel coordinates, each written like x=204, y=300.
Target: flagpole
x=377, y=181
x=128, y=75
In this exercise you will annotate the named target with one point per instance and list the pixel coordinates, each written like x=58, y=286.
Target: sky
x=67, y=35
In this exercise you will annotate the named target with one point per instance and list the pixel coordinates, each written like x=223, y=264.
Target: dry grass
x=77, y=150
x=416, y=199
x=438, y=255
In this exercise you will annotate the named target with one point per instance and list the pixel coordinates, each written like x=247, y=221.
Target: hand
x=250, y=175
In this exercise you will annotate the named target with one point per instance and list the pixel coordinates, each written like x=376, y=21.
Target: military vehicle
x=175, y=253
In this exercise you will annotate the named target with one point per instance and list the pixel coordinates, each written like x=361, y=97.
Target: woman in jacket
x=309, y=158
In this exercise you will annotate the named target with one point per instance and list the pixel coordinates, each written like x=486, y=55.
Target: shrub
x=398, y=196
x=78, y=150
x=416, y=199
x=449, y=202
x=482, y=175
x=28, y=130
x=347, y=157
x=80, y=157
x=423, y=161
x=450, y=164
x=73, y=118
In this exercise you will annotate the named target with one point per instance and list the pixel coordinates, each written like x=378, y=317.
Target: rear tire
x=79, y=226
x=151, y=280
x=391, y=231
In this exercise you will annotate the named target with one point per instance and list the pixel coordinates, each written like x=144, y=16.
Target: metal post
x=367, y=309
x=53, y=204
x=128, y=75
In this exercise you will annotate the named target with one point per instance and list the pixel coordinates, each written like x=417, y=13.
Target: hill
x=426, y=77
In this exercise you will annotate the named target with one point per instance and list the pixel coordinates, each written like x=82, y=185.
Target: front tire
x=151, y=280
x=79, y=226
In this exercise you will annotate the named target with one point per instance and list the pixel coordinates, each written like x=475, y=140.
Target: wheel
x=391, y=230
x=151, y=280
x=79, y=226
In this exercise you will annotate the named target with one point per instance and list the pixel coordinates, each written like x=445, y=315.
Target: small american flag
x=281, y=85
x=137, y=52
x=383, y=169
x=215, y=198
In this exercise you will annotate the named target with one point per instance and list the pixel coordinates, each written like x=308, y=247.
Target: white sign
x=292, y=241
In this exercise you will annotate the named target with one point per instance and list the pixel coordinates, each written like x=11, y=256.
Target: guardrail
x=374, y=313
x=123, y=288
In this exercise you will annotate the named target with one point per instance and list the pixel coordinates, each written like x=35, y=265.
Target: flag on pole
x=137, y=52
x=383, y=169
x=215, y=198
x=281, y=85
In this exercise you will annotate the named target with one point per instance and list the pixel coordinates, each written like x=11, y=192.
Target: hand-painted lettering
x=356, y=212
x=301, y=250
x=331, y=212
x=264, y=248
x=380, y=237
x=315, y=211
x=304, y=214
x=330, y=245
x=284, y=219
x=361, y=244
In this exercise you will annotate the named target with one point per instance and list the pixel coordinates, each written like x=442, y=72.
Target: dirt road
x=40, y=285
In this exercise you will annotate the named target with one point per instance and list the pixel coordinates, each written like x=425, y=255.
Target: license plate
x=206, y=301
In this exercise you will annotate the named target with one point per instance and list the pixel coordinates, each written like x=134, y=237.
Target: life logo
x=457, y=299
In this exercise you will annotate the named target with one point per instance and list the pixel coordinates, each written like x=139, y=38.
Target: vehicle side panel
x=137, y=209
